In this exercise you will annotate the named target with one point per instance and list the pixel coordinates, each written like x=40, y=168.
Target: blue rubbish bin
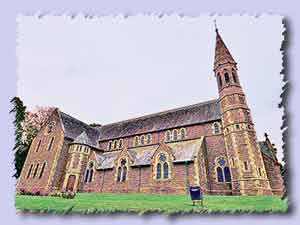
x=196, y=194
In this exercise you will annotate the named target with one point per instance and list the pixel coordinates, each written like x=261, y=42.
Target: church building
x=211, y=144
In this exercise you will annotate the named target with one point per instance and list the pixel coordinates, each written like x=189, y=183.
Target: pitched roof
x=106, y=160
x=185, y=151
x=188, y=115
x=78, y=130
x=182, y=151
x=141, y=156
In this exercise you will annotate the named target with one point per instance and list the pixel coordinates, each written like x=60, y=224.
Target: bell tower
x=246, y=164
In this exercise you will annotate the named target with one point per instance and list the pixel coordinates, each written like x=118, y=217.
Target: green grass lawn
x=143, y=203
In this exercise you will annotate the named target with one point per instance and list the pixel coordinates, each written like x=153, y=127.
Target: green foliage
x=20, y=148
x=93, y=203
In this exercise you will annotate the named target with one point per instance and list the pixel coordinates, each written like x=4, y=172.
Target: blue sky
x=111, y=68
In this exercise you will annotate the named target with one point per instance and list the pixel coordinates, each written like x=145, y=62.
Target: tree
x=20, y=148
x=34, y=121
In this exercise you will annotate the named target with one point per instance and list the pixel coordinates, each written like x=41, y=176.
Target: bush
x=68, y=195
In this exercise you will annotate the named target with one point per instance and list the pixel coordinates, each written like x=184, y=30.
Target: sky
x=112, y=68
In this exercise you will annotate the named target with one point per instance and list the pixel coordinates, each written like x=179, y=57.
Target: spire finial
x=216, y=28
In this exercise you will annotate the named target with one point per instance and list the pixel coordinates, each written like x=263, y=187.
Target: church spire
x=222, y=54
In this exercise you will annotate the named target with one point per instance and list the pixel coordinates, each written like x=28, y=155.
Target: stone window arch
x=50, y=144
x=175, y=135
x=183, y=133
x=42, y=170
x=226, y=76
x=142, y=139
x=216, y=127
x=115, y=144
x=162, y=167
x=168, y=136
x=234, y=77
x=222, y=170
x=89, y=172
x=219, y=79
x=36, y=170
x=136, y=141
x=149, y=139
x=109, y=145
x=122, y=170
x=30, y=170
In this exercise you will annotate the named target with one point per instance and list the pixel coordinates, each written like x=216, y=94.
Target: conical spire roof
x=222, y=54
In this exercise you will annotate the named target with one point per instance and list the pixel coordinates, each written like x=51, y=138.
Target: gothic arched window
x=166, y=170
x=183, y=133
x=115, y=144
x=175, y=135
x=89, y=173
x=223, y=171
x=120, y=143
x=216, y=128
x=220, y=174
x=30, y=170
x=142, y=140
x=50, y=144
x=136, y=141
x=149, y=139
x=36, y=170
x=158, y=171
x=109, y=145
x=219, y=79
x=168, y=136
x=162, y=167
x=42, y=170
x=122, y=171
x=227, y=174
x=234, y=77
x=226, y=75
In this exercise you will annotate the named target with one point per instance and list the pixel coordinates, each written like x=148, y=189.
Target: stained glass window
x=220, y=174
x=166, y=170
x=227, y=174
x=158, y=171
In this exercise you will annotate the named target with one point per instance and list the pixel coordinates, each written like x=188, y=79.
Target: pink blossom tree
x=34, y=121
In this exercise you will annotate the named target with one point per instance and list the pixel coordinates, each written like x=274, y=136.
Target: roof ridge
x=163, y=112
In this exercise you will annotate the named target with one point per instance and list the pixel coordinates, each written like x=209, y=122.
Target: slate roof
x=106, y=160
x=185, y=151
x=188, y=115
x=141, y=156
x=78, y=130
x=265, y=149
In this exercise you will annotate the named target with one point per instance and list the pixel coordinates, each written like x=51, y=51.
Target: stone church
x=211, y=144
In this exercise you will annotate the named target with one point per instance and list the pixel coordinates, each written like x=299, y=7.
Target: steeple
x=222, y=54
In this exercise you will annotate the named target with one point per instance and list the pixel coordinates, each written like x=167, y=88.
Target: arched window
x=120, y=143
x=29, y=171
x=115, y=144
x=89, y=173
x=234, y=77
x=42, y=170
x=220, y=80
x=38, y=146
x=109, y=145
x=136, y=141
x=162, y=167
x=220, y=174
x=119, y=174
x=246, y=165
x=166, y=170
x=122, y=171
x=226, y=75
x=124, y=175
x=183, y=133
x=142, y=140
x=158, y=171
x=227, y=174
x=50, y=144
x=168, y=136
x=175, y=135
x=86, y=177
x=216, y=128
x=36, y=170
x=223, y=171
x=149, y=139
